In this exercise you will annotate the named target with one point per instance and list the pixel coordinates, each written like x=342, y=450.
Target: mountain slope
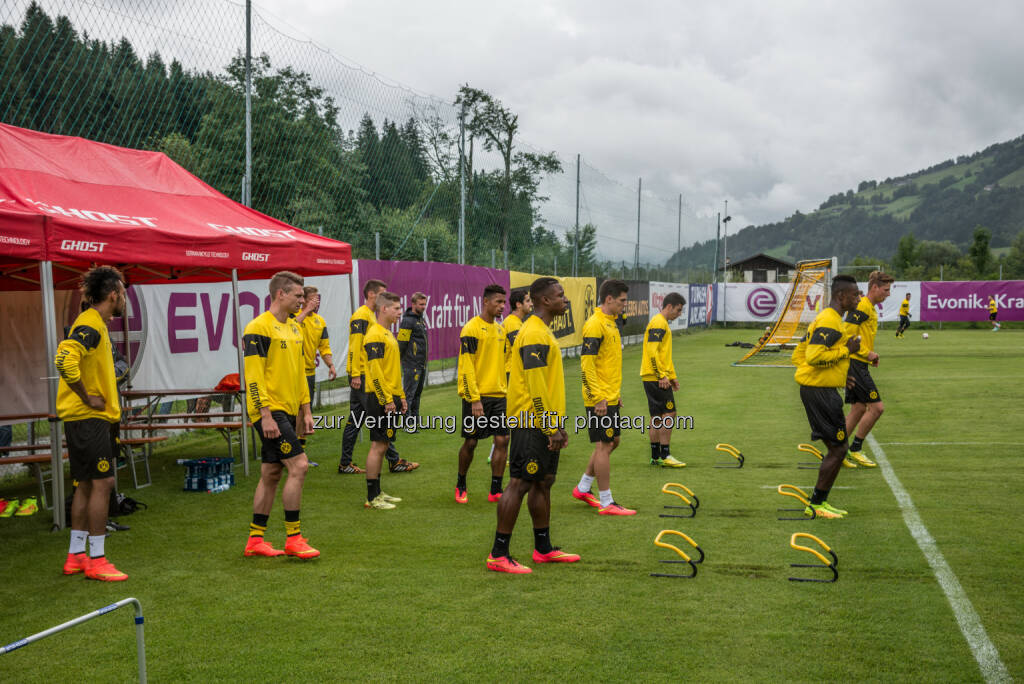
x=944, y=202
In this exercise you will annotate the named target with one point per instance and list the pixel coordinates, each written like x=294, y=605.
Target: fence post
x=556, y=266
x=376, y=240
x=492, y=258
x=424, y=249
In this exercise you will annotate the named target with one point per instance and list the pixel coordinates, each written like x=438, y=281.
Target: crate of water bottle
x=208, y=474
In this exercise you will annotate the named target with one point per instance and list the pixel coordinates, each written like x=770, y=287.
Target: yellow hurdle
x=801, y=496
x=826, y=563
x=732, y=451
x=692, y=505
x=685, y=557
x=814, y=451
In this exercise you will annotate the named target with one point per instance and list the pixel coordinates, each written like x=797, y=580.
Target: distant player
x=315, y=339
x=658, y=373
x=904, y=316
x=993, y=313
x=601, y=368
x=536, y=391
x=384, y=397
x=822, y=362
x=90, y=406
x=865, y=402
x=412, y=345
x=277, y=398
x=521, y=307
x=482, y=385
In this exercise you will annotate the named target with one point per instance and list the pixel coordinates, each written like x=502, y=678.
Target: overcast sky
x=773, y=106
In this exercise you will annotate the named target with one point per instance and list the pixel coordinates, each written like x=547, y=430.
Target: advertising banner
x=968, y=300
x=582, y=296
x=701, y=305
x=657, y=294
x=889, y=311
x=454, y=294
x=752, y=302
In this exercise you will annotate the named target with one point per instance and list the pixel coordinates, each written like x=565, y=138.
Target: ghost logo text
x=82, y=246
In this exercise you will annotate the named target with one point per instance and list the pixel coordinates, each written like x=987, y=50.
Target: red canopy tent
x=68, y=203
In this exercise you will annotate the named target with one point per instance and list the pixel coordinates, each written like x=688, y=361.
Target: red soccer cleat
x=506, y=564
x=461, y=496
x=258, y=546
x=494, y=497
x=75, y=563
x=555, y=555
x=586, y=497
x=615, y=509
x=103, y=570
x=298, y=547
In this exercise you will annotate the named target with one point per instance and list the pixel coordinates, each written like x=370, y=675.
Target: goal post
x=807, y=295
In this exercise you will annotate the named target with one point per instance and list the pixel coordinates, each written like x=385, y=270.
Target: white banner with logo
x=889, y=310
x=762, y=302
x=188, y=338
x=658, y=290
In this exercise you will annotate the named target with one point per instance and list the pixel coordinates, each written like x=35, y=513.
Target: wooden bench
x=224, y=427
x=37, y=463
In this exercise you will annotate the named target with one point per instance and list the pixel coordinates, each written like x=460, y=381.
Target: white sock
x=78, y=538
x=96, y=545
x=606, y=497
x=585, y=482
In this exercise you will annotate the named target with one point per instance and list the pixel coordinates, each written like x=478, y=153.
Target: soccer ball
x=924, y=335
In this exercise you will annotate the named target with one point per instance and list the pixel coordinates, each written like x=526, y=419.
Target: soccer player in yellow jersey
x=536, y=404
x=482, y=387
x=89, y=404
x=521, y=306
x=277, y=399
x=315, y=340
x=601, y=366
x=658, y=373
x=861, y=393
x=822, y=361
x=385, y=399
x=904, y=316
x=355, y=367
x=993, y=312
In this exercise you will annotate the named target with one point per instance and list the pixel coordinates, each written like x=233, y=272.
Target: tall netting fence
x=335, y=149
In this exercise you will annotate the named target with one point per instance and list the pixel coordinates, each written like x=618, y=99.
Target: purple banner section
x=453, y=292
x=968, y=300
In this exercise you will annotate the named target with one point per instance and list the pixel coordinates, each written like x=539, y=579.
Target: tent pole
x=50, y=332
x=243, y=442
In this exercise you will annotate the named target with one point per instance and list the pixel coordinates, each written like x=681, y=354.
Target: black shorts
x=904, y=321
x=383, y=426
x=285, y=445
x=529, y=457
x=92, y=448
x=603, y=428
x=864, y=390
x=659, y=401
x=495, y=424
x=992, y=316
x=825, y=414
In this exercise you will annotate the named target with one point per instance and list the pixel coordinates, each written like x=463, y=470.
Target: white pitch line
x=810, y=486
x=992, y=668
x=951, y=443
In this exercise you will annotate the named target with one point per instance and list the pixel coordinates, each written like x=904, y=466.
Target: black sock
x=655, y=451
x=372, y=488
x=461, y=482
x=542, y=539
x=291, y=516
x=858, y=442
x=819, y=496
x=500, y=547
x=664, y=451
x=260, y=519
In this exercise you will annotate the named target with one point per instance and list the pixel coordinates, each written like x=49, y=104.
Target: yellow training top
x=275, y=375
x=905, y=307
x=822, y=357
x=314, y=339
x=383, y=364
x=601, y=360
x=657, y=354
x=992, y=308
x=511, y=324
x=87, y=356
x=537, y=384
x=357, y=327
x=863, y=321
x=481, y=360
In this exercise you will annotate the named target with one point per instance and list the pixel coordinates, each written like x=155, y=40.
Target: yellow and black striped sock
x=258, y=526
x=291, y=523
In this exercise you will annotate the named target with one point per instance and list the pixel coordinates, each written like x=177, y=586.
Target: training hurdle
x=814, y=451
x=826, y=563
x=140, y=641
x=685, y=558
x=732, y=451
x=692, y=505
x=801, y=496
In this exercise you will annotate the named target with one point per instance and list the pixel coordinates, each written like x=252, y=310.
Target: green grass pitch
x=404, y=594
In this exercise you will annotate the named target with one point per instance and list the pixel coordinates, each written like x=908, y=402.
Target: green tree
x=906, y=253
x=979, y=252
